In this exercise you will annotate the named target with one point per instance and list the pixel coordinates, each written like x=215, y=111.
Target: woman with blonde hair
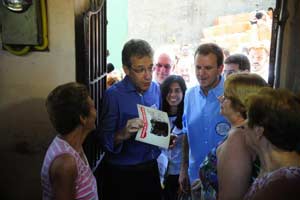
x=226, y=172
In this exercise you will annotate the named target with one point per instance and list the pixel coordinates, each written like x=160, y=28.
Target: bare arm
x=63, y=173
x=234, y=167
x=183, y=176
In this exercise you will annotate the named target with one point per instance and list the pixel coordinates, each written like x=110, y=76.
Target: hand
x=173, y=139
x=132, y=126
x=184, y=181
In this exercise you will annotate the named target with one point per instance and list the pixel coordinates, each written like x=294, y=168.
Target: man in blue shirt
x=202, y=122
x=130, y=167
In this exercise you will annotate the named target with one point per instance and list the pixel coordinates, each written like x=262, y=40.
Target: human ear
x=259, y=132
x=82, y=120
x=126, y=69
x=220, y=68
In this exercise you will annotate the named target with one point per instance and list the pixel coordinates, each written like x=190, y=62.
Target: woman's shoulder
x=63, y=166
x=282, y=183
x=236, y=137
x=235, y=145
x=285, y=173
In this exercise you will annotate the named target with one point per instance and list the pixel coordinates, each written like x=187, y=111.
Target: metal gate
x=95, y=63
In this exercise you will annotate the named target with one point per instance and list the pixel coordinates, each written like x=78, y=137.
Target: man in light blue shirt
x=203, y=124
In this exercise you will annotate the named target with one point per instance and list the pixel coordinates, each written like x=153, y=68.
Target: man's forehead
x=164, y=57
x=139, y=58
x=206, y=57
x=258, y=50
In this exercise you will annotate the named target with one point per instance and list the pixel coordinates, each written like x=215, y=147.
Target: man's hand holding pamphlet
x=156, y=129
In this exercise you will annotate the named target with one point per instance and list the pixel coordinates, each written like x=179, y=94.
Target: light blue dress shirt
x=203, y=124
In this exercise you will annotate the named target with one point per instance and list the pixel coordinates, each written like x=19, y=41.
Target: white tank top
x=86, y=186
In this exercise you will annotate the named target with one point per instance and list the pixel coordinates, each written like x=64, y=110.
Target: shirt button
x=205, y=142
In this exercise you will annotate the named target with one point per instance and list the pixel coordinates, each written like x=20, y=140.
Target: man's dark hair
x=239, y=59
x=208, y=48
x=65, y=104
x=135, y=47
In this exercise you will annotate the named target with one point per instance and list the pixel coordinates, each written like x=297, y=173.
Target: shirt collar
x=216, y=91
x=130, y=87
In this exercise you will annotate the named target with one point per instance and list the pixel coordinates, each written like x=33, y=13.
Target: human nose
x=148, y=74
x=172, y=93
x=201, y=71
x=258, y=58
x=163, y=69
x=221, y=98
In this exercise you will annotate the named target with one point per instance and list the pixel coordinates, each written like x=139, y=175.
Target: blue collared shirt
x=119, y=104
x=203, y=124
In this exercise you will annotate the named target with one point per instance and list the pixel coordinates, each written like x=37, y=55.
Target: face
x=184, y=72
x=230, y=68
x=91, y=118
x=207, y=71
x=258, y=59
x=162, y=69
x=226, y=107
x=175, y=94
x=140, y=72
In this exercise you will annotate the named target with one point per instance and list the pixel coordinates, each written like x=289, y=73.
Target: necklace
x=238, y=124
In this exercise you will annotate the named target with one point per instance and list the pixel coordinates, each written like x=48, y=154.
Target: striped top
x=86, y=186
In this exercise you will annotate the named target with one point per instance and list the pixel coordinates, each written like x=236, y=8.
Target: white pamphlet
x=156, y=128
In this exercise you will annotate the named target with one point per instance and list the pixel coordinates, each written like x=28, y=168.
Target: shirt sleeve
x=184, y=121
x=108, y=123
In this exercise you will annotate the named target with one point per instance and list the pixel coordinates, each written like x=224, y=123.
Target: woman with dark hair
x=66, y=173
x=173, y=90
x=272, y=132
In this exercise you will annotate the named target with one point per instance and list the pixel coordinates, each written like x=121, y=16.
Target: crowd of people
x=255, y=60
x=235, y=136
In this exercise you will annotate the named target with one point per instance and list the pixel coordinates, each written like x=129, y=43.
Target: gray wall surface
x=181, y=22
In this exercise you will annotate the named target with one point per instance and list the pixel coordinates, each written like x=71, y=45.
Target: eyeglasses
x=230, y=71
x=166, y=66
x=142, y=70
x=222, y=98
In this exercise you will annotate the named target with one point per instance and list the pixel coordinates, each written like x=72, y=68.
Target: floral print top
x=209, y=177
x=280, y=177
